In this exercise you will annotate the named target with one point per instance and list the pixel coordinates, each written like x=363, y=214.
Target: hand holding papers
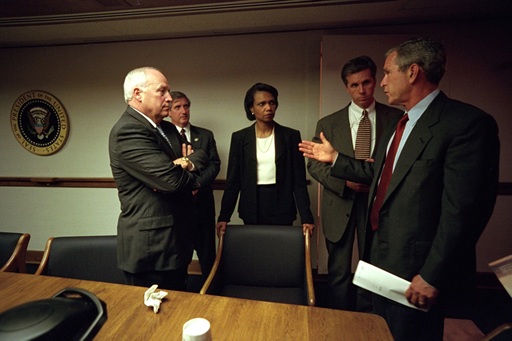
x=382, y=283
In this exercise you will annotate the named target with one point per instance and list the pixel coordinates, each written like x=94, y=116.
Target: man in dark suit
x=204, y=202
x=155, y=185
x=344, y=203
x=440, y=194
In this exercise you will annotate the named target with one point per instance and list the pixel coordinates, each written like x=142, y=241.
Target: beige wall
x=215, y=72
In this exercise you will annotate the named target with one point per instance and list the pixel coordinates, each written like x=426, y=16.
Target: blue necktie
x=164, y=136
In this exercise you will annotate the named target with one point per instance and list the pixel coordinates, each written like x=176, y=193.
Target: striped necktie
x=363, y=138
x=160, y=130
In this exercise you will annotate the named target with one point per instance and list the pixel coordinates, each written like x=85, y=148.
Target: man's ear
x=413, y=72
x=137, y=94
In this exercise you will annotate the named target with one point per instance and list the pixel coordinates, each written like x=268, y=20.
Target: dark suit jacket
x=242, y=176
x=152, y=227
x=203, y=139
x=337, y=199
x=440, y=198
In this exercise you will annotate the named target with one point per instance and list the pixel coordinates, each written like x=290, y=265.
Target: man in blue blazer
x=155, y=184
x=344, y=203
x=440, y=195
x=204, y=202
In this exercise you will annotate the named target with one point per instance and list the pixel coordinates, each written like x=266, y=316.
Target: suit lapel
x=342, y=141
x=280, y=141
x=249, y=150
x=383, y=119
x=416, y=143
x=162, y=143
x=195, y=138
x=172, y=135
x=249, y=143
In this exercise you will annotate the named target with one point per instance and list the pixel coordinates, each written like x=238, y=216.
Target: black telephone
x=71, y=314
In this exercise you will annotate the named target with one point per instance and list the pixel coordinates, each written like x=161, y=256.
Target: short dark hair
x=249, y=97
x=178, y=95
x=429, y=54
x=356, y=65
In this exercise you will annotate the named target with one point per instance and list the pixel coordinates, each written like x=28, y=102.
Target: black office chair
x=13, y=251
x=263, y=262
x=85, y=257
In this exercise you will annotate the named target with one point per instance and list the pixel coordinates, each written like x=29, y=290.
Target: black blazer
x=242, y=176
x=440, y=198
x=153, y=231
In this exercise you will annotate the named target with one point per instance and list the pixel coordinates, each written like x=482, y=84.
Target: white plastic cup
x=197, y=329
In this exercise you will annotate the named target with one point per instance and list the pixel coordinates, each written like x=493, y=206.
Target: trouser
x=170, y=280
x=408, y=323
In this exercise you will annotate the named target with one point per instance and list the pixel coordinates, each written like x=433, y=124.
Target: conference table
x=230, y=318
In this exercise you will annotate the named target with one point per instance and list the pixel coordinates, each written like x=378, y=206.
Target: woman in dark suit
x=265, y=168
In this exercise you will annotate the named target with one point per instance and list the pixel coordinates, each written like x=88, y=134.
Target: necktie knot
x=403, y=120
x=183, y=134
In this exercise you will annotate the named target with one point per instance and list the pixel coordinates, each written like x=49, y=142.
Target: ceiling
x=50, y=22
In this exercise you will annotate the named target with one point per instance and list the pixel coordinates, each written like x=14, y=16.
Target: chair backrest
x=13, y=251
x=264, y=262
x=84, y=257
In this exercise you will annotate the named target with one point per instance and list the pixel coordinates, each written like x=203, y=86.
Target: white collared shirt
x=187, y=131
x=153, y=124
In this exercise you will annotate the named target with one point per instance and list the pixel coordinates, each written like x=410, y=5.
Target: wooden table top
x=230, y=318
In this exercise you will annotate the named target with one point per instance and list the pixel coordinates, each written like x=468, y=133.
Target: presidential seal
x=39, y=122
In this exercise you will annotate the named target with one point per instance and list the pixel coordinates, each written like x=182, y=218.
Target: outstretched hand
x=323, y=152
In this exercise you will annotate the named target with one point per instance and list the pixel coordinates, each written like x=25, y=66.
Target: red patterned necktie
x=363, y=138
x=386, y=173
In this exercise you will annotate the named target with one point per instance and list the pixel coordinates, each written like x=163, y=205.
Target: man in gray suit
x=204, y=202
x=344, y=203
x=433, y=190
x=155, y=178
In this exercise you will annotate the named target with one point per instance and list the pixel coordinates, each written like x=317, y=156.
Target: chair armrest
x=497, y=331
x=211, y=282
x=18, y=259
x=309, y=271
x=41, y=269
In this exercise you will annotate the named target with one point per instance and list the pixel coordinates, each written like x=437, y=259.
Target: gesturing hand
x=323, y=152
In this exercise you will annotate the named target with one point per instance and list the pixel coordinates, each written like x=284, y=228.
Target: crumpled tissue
x=154, y=299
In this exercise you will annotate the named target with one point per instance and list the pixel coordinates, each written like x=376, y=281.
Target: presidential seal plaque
x=39, y=122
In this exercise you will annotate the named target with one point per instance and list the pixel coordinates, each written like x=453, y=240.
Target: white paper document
x=382, y=283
